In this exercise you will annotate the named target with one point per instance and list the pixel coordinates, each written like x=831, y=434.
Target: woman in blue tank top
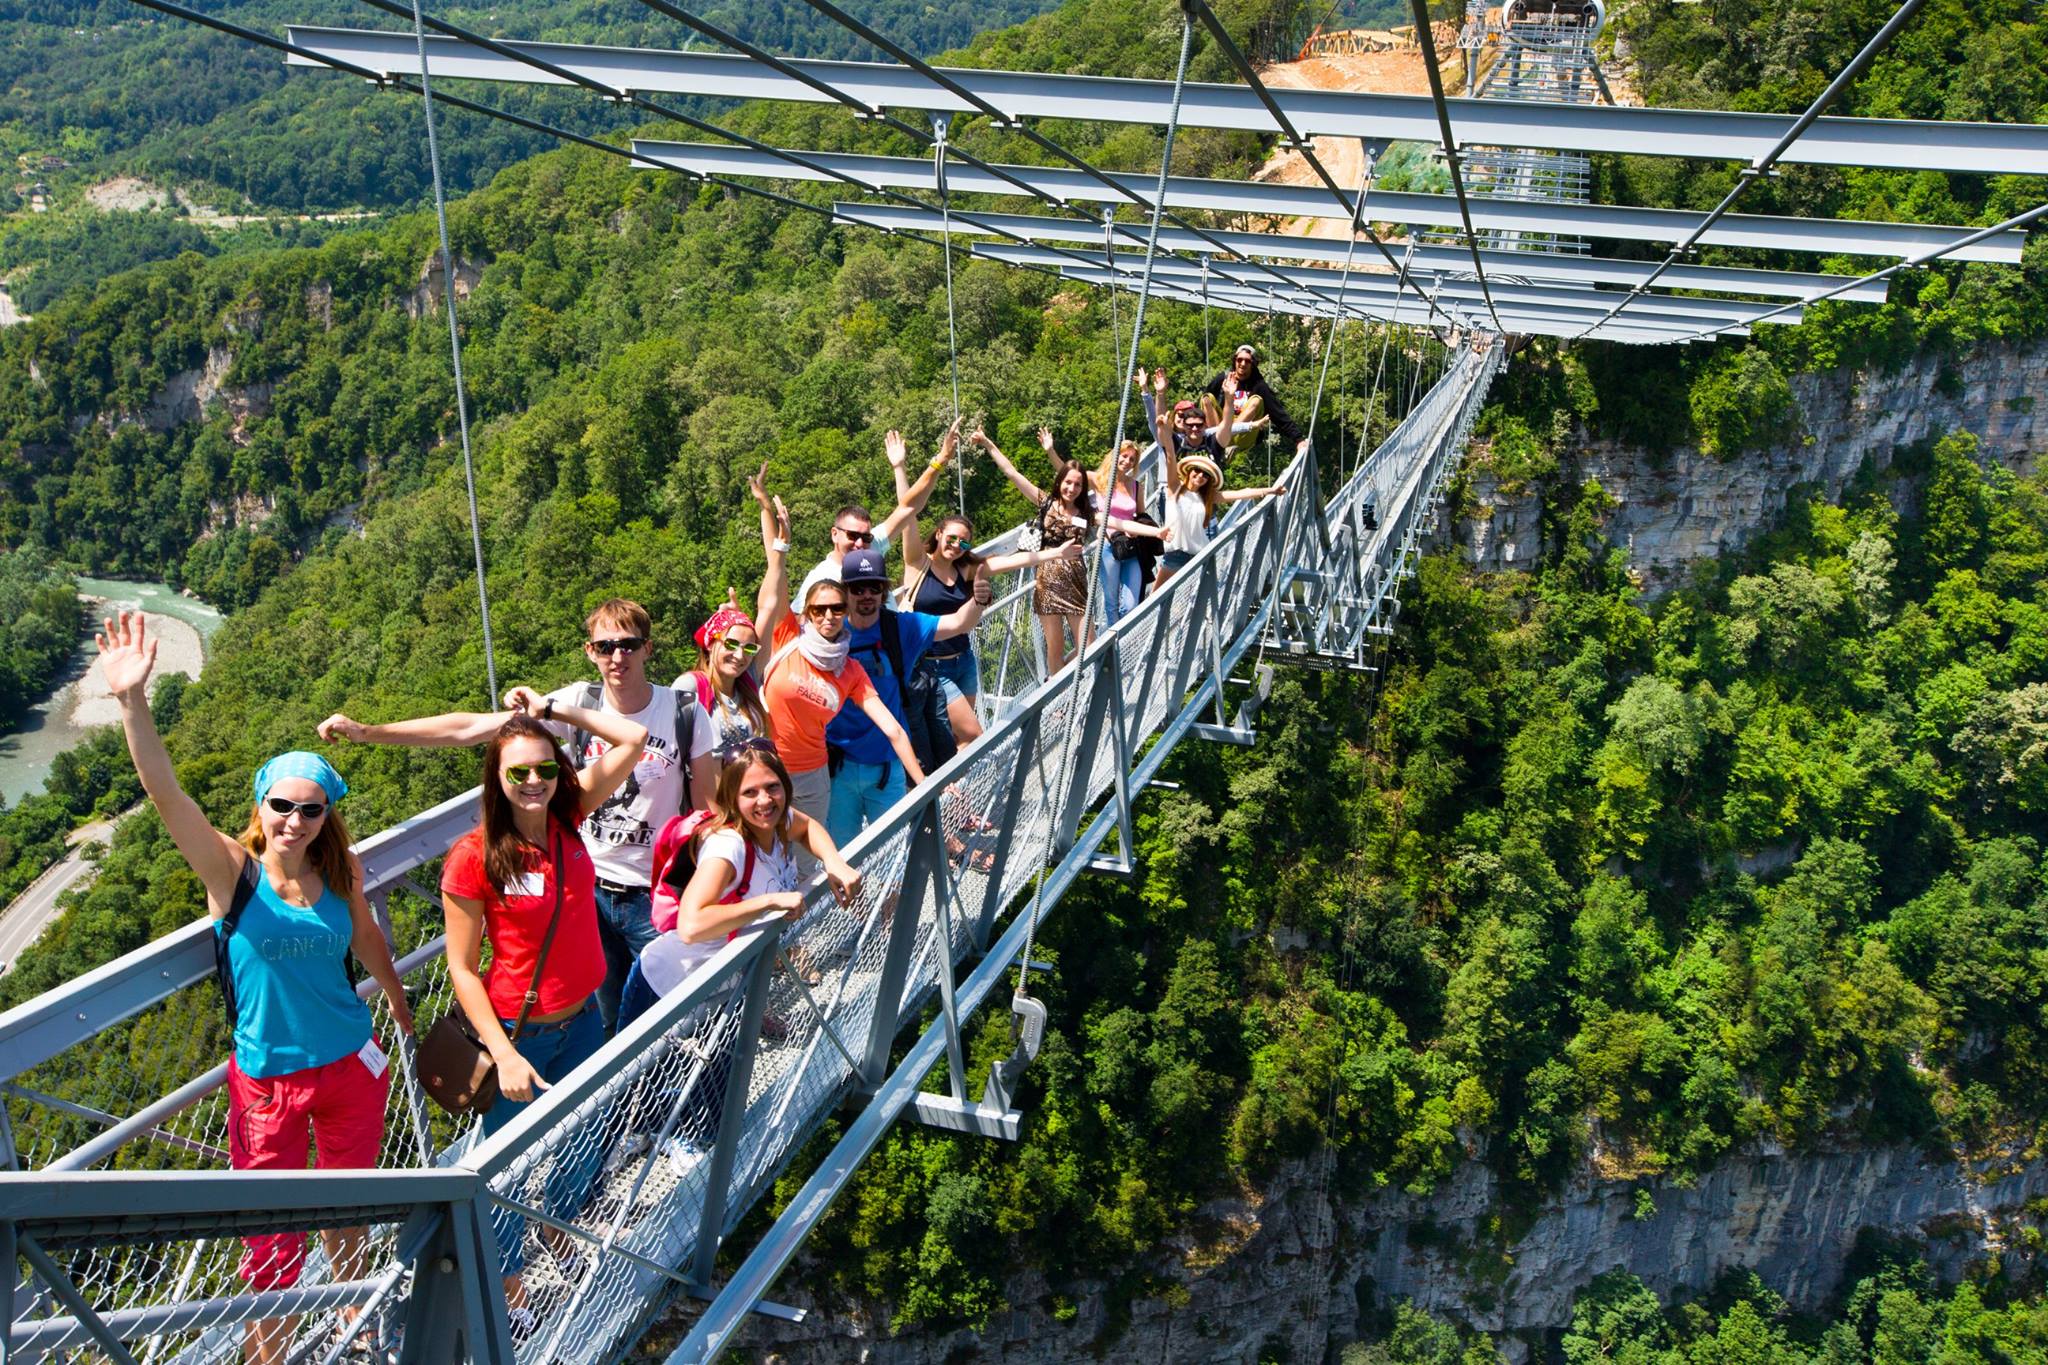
x=305, y=1063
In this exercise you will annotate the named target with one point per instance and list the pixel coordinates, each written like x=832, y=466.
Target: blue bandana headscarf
x=299, y=763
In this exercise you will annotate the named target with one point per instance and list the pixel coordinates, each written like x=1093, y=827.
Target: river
x=55, y=725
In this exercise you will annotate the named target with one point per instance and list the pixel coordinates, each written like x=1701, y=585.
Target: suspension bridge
x=118, y=1211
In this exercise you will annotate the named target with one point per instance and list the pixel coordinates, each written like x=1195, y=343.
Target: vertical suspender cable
x=1116, y=326
x=1123, y=412
x=1205, y=313
x=1343, y=284
x=476, y=535
x=939, y=128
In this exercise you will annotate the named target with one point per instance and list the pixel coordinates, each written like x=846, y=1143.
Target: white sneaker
x=683, y=1154
x=626, y=1150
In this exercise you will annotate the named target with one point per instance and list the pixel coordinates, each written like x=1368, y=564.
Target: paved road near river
x=23, y=922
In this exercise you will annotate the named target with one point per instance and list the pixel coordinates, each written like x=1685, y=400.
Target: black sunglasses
x=521, y=773
x=625, y=644
x=857, y=537
x=308, y=810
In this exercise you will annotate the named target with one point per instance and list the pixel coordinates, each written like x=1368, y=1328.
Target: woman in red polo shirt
x=500, y=882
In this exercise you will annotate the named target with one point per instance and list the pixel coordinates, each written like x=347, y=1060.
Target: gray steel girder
x=1889, y=144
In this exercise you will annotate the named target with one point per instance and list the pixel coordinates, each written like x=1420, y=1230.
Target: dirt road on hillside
x=1389, y=73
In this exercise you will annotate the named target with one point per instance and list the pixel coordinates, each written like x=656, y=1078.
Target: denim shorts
x=1176, y=560
x=959, y=676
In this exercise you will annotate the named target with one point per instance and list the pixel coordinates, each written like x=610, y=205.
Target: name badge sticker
x=373, y=1057
x=530, y=884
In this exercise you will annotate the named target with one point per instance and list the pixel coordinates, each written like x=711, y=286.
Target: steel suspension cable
x=1452, y=157
x=1069, y=748
x=1914, y=262
x=898, y=52
x=817, y=168
x=1343, y=284
x=640, y=101
x=1761, y=167
x=865, y=111
x=1206, y=361
x=1305, y=146
x=952, y=333
x=476, y=535
x=404, y=86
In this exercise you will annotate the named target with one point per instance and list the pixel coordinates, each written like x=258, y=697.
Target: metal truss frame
x=1822, y=236
x=1885, y=144
x=1516, y=266
x=1569, y=298
x=1647, y=331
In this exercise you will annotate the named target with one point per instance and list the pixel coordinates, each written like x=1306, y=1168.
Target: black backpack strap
x=590, y=698
x=686, y=731
x=245, y=891
x=223, y=964
x=892, y=645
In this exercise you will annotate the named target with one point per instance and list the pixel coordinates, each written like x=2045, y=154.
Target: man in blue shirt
x=867, y=778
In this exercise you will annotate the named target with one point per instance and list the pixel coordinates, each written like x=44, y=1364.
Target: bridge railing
x=616, y=1187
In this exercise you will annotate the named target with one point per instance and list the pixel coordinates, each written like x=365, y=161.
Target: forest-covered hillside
x=114, y=88
x=1759, y=863
x=1892, y=1314
x=94, y=89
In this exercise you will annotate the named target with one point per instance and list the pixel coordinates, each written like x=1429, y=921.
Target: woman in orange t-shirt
x=812, y=673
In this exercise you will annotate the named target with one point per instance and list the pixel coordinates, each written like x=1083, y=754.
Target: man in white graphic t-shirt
x=620, y=833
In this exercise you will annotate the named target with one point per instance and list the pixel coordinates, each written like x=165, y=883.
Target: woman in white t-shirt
x=745, y=867
x=1194, y=490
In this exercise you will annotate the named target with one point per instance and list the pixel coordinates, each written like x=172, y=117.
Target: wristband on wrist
x=779, y=545
x=547, y=709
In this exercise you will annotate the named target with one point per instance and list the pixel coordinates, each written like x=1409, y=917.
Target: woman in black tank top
x=939, y=578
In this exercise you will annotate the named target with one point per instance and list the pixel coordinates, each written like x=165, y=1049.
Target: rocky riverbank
x=179, y=650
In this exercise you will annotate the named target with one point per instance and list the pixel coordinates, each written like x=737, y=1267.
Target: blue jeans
x=625, y=925
x=959, y=676
x=862, y=792
x=1122, y=582
x=554, y=1050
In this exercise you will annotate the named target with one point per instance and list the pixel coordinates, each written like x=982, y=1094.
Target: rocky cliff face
x=1684, y=507
x=1294, y=1268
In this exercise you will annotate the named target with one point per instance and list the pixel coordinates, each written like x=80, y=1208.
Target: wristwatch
x=547, y=709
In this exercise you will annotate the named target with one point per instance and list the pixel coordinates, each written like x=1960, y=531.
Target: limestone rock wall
x=1685, y=507
x=1293, y=1266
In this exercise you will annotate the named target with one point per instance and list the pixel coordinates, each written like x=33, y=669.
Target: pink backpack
x=675, y=862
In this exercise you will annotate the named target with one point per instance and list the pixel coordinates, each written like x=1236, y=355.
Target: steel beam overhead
x=1884, y=144
x=1509, y=266
x=1380, y=307
x=1567, y=297
x=1825, y=236
x=531, y=57
x=1649, y=331
x=2018, y=220
x=1679, y=323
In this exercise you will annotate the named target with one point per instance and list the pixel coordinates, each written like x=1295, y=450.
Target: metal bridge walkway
x=127, y=1262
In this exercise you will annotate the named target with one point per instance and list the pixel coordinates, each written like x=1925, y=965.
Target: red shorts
x=339, y=1106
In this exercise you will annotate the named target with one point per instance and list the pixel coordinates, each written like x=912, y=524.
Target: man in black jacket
x=1240, y=395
